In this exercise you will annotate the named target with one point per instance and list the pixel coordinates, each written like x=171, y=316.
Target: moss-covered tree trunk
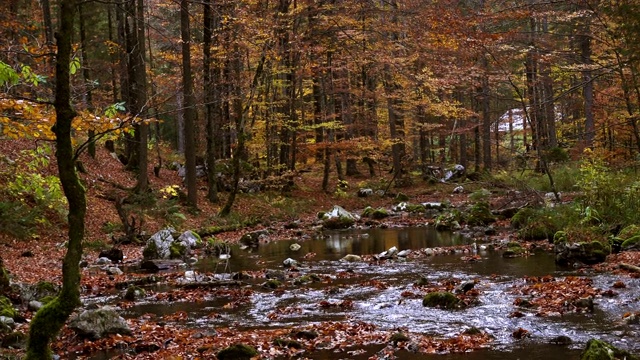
x=50, y=318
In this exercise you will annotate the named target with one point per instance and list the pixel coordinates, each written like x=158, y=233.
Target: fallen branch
x=629, y=267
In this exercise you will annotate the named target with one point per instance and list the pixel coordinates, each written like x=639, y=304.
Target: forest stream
x=378, y=291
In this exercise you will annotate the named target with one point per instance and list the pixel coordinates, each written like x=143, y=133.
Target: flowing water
x=494, y=276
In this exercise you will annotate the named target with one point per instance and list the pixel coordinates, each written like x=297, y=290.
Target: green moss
x=448, y=221
x=379, y=213
x=480, y=214
x=399, y=337
x=134, y=292
x=441, y=299
x=272, y=284
x=334, y=223
x=150, y=251
x=237, y=352
x=46, y=287
x=601, y=350
x=6, y=308
x=560, y=237
x=630, y=243
x=522, y=217
x=367, y=211
x=177, y=250
x=46, y=299
x=416, y=208
x=513, y=249
x=629, y=232
x=402, y=197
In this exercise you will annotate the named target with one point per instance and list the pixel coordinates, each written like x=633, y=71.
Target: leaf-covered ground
x=39, y=258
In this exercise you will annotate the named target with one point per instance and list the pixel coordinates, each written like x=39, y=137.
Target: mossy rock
x=480, y=214
x=402, y=197
x=237, y=352
x=287, y=343
x=14, y=340
x=338, y=222
x=522, y=217
x=416, y=208
x=379, y=213
x=6, y=308
x=441, y=299
x=538, y=231
x=5, y=282
x=560, y=237
x=367, y=211
x=305, y=279
x=321, y=215
x=629, y=232
x=134, y=293
x=150, y=251
x=632, y=243
x=448, y=221
x=601, y=350
x=272, y=284
x=513, y=249
x=177, y=250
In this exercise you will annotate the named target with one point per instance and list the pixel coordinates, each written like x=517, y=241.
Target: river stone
x=294, y=247
x=237, y=352
x=601, y=350
x=365, y=192
x=190, y=239
x=351, y=258
x=34, y=305
x=289, y=262
x=252, y=239
x=96, y=324
x=158, y=245
x=103, y=261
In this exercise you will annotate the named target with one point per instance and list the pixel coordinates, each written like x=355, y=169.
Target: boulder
x=97, y=324
x=113, y=254
x=159, y=244
x=338, y=218
x=190, y=239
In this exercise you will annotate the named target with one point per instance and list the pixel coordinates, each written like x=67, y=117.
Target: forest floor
x=39, y=258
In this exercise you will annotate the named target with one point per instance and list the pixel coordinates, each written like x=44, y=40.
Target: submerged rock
x=351, y=258
x=441, y=299
x=601, y=350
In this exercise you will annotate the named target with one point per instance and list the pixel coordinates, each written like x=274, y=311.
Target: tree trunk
x=587, y=91
x=48, y=321
x=86, y=75
x=48, y=25
x=189, y=104
x=212, y=193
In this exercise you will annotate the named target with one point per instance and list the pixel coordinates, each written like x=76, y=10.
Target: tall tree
x=189, y=106
x=48, y=321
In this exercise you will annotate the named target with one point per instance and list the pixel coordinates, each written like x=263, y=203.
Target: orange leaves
x=550, y=295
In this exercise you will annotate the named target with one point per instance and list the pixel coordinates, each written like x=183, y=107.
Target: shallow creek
x=494, y=276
